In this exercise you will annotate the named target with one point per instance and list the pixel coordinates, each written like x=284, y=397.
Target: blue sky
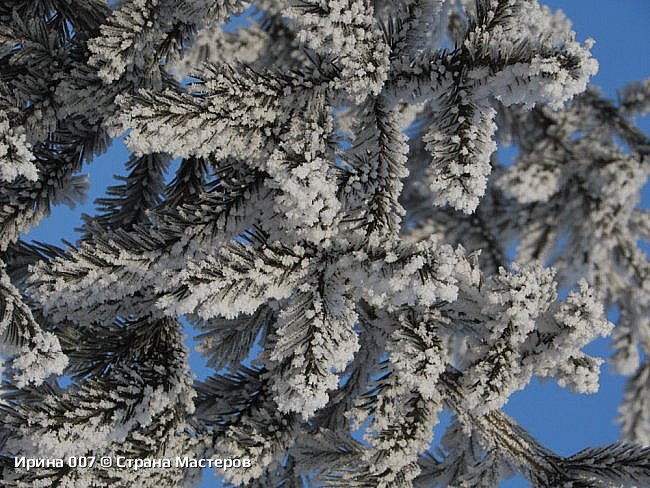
x=562, y=421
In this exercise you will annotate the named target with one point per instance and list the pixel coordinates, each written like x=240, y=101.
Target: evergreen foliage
x=339, y=213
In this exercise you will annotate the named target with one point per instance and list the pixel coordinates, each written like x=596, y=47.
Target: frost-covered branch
x=339, y=228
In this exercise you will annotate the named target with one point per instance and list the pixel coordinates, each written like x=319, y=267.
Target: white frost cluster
x=305, y=183
x=378, y=157
x=419, y=275
x=315, y=340
x=346, y=29
x=527, y=332
x=35, y=354
x=558, y=69
x=16, y=159
x=108, y=420
x=461, y=144
x=40, y=358
x=418, y=352
x=400, y=428
x=213, y=45
x=514, y=64
x=534, y=182
x=133, y=36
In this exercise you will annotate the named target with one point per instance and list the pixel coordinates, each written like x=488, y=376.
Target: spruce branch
x=339, y=229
